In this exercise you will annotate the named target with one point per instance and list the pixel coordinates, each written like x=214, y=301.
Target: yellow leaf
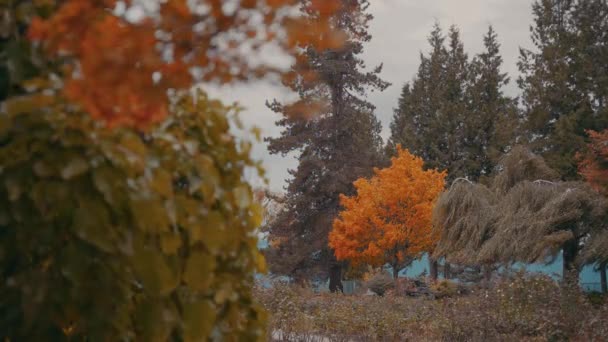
x=150, y=214
x=156, y=273
x=162, y=182
x=198, y=274
x=199, y=319
x=170, y=243
x=75, y=167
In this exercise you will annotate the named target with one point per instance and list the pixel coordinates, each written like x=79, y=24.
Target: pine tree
x=414, y=124
x=337, y=137
x=493, y=117
x=563, y=80
x=454, y=113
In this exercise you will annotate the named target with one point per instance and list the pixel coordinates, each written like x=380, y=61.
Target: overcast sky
x=399, y=33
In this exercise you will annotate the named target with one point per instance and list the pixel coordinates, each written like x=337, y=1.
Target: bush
x=532, y=308
x=444, y=288
x=113, y=235
x=380, y=283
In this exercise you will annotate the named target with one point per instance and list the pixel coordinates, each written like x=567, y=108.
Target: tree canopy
x=332, y=128
x=388, y=221
x=110, y=234
x=526, y=215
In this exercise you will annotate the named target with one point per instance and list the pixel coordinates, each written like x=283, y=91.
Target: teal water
x=589, y=278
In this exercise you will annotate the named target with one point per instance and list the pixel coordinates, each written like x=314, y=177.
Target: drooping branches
x=525, y=215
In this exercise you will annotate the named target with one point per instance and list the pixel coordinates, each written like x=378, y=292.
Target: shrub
x=380, y=282
x=111, y=235
x=532, y=308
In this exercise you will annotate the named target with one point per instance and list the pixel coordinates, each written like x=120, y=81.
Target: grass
x=521, y=308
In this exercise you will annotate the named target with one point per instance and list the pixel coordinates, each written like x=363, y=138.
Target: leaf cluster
x=114, y=234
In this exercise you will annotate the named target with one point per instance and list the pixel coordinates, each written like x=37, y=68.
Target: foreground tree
x=119, y=66
x=114, y=234
x=339, y=143
x=388, y=221
x=526, y=215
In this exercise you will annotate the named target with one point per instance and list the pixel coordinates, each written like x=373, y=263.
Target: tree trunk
x=570, y=269
x=335, y=278
x=433, y=269
x=487, y=275
x=446, y=271
x=395, y=271
x=603, y=279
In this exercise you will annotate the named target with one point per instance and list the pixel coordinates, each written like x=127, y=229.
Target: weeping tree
x=596, y=252
x=525, y=215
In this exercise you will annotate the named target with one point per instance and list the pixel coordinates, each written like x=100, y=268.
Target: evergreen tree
x=493, y=116
x=564, y=79
x=415, y=121
x=337, y=137
x=454, y=114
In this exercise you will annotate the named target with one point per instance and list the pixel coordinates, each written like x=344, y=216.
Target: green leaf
x=162, y=183
x=157, y=274
x=75, y=167
x=92, y=224
x=199, y=320
x=198, y=274
x=155, y=320
x=150, y=214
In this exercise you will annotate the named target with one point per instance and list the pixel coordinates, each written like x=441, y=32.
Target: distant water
x=589, y=278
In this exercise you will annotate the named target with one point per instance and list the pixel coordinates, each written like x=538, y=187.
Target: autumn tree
x=388, y=221
x=563, y=81
x=593, y=162
x=119, y=67
x=593, y=165
x=526, y=215
x=130, y=234
x=111, y=234
x=332, y=129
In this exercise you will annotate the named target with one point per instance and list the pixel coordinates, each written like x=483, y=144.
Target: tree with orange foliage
x=593, y=164
x=119, y=66
x=389, y=219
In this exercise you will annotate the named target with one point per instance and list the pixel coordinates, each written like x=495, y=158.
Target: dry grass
x=519, y=309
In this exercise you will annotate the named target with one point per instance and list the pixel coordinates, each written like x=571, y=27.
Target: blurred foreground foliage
x=116, y=234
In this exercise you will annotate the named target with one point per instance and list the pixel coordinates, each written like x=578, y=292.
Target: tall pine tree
x=454, y=113
x=492, y=116
x=564, y=83
x=337, y=137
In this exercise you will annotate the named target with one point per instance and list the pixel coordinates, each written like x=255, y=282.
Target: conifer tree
x=492, y=117
x=454, y=113
x=563, y=79
x=414, y=124
x=334, y=131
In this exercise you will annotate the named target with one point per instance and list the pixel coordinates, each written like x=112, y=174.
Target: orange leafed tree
x=119, y=66
x=388, y=221
x=594, y=163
